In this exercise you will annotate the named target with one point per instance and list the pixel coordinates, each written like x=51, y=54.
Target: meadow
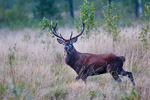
x=32, y=67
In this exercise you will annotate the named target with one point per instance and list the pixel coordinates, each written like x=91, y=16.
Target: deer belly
x=97, y=71
x=94, y=70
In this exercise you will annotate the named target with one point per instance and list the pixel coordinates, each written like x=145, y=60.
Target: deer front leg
x=83, y=75
x=78, y=71
x=77, y=78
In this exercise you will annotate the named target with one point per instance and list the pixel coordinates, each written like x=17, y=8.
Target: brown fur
x=86, y=64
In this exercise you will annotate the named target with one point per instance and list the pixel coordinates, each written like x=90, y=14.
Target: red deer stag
x=86, y=64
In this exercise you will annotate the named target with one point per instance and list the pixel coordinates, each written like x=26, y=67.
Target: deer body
x=79, y=60
x=86, y=64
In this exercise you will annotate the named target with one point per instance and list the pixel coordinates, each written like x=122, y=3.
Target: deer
x=86, y=64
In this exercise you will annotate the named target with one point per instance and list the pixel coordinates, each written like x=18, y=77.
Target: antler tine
x=55, y=25
x=55, y=33
x=81, y=31
x=62, y=37
x=71, y=35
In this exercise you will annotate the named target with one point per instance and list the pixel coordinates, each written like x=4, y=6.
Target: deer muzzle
x=66, y=48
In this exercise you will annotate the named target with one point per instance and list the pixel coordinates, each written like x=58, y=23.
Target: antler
x=60, y=36
x=80, y=32
x=55, y=33
x=71, y=35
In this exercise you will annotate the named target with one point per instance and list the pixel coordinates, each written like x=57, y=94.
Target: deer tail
x=122, y=58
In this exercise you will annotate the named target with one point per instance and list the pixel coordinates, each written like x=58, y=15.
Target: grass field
x=32, y=67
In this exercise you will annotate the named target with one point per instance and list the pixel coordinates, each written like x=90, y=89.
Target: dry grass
x=38, y=72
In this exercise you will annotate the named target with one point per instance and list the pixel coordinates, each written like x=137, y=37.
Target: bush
x=86, y=15
x=147, y=12
x=131, y=96
x=58, y=93
x=112, y=15
x=13, y=17
x=144, y=35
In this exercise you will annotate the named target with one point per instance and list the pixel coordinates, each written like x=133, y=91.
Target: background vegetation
x=18, y=14
x=32, y=65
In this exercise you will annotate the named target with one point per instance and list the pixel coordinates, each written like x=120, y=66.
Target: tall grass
x=38, y=71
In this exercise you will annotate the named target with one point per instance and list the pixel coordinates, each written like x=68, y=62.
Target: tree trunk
x=140, y=6
x=71, y=8
x=110, y=1
x=136, y=8
x=3, y=11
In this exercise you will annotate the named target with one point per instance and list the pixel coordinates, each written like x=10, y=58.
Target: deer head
x=68, y=43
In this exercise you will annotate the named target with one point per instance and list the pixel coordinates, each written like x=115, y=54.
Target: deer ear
x=74, y=40
x=60, y=41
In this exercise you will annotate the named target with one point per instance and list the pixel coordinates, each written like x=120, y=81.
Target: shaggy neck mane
x=71, y=59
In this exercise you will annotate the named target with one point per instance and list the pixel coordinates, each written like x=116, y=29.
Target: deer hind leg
x=116, y=77
x=129, y=75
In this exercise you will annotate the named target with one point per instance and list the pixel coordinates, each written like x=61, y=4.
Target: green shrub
x=112, y=15
x=10, y=91
x=86, y=15
x=15, y=18
x=92, y=94
x=144, y=35
x=47, y=24
x=58, y=93
x=130, y=96
x=147, y=12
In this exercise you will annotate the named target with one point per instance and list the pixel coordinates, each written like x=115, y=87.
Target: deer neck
x=70, y=57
